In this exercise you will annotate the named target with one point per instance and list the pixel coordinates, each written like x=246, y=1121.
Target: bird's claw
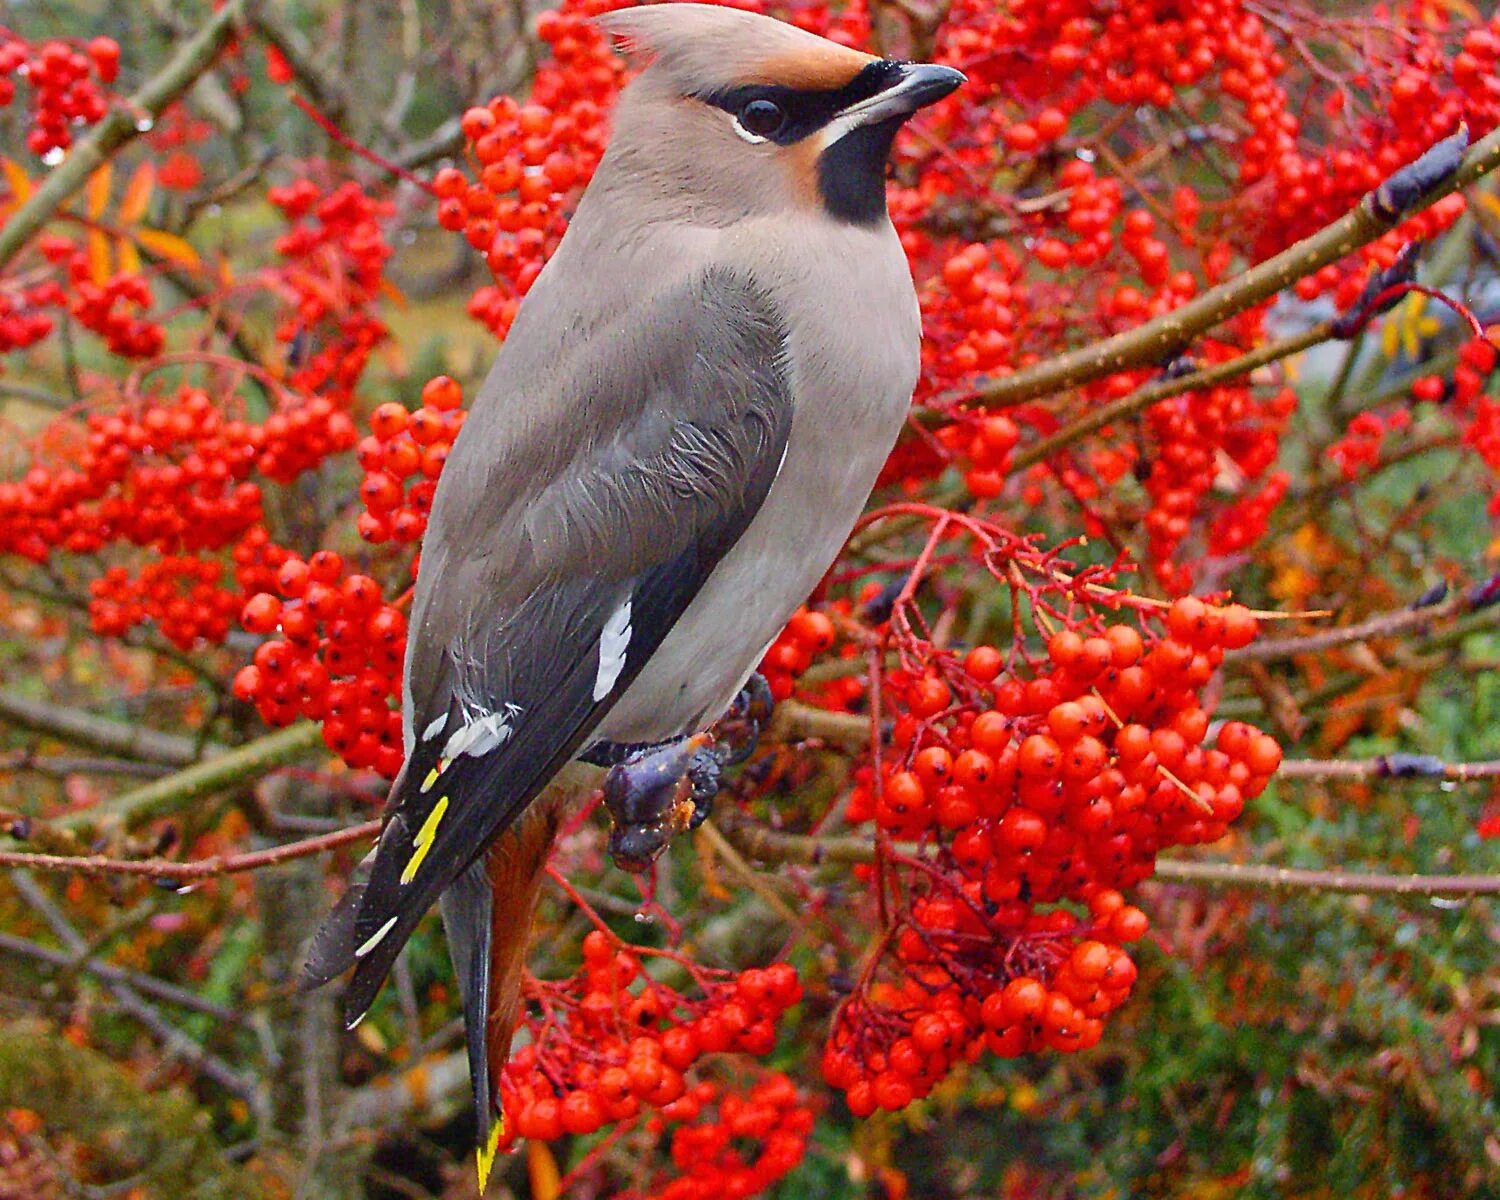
x=738, y=731
x=657, y=792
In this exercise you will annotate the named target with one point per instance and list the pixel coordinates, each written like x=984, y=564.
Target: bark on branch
x=1159, y=340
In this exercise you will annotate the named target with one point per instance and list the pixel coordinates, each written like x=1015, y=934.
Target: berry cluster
x=533, y=160
x=612, y=1040
x=169, y=473
x=406, y=445
x=806, y=635
x=22, y=321
x=730, y=1145
x=1359, y=449
x=1194, y=435
x=335, y=256
x=183, y=596
x=1030, y=782
x=335, y=656
x=112, y=306
x=65, y=86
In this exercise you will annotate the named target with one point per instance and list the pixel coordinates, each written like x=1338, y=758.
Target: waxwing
x=680, y=430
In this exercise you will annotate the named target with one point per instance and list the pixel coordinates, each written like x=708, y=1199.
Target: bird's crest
x=705, y=46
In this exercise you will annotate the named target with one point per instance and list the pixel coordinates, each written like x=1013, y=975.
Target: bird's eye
x=762, y=118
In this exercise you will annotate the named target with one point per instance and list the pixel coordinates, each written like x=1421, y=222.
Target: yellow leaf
x=167, y=245
x=17, y=180
x=129, y=256
x=137, y=196
x=541, y=1168
x=97, y=192
x=99, y=255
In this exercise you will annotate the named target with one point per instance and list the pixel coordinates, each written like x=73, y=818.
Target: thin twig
x=1383, y=625
x=198, y=868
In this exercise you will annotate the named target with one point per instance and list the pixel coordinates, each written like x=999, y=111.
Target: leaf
x=97, y=191
x=99, y=255
x=168, y=246
x=138, y=192
x=129, y=256
x=17, y=179
x=541, y=1170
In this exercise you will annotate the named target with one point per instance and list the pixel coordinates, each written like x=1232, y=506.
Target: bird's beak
x=916, y=86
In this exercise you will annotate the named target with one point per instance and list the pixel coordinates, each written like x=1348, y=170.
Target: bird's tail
x=487, y=915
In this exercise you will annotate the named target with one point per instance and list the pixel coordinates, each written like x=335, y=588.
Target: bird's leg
x=654, y=792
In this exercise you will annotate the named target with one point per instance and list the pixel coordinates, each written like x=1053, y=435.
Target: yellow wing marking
x=425, y=835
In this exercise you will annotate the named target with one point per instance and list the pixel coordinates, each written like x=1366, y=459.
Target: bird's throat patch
x=851, y=173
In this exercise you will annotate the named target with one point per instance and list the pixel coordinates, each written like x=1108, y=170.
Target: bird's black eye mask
x=784, y=115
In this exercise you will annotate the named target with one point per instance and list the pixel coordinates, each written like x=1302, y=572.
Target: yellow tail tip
x=485, y=1155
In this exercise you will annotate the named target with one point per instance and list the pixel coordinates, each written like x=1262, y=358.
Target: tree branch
x=1165, y=389
x=120, y=126
x=164, y=796
x=147, y=985
x=80, y=728
x=1384, y=625
x=198, y=868
x=1163, y=338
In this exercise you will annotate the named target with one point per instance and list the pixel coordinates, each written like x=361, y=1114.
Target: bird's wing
x=570, y=538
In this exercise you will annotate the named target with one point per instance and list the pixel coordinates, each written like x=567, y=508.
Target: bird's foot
x=655, y=792
x=738, y=730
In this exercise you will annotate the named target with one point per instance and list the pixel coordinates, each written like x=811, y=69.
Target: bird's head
x=738, y=114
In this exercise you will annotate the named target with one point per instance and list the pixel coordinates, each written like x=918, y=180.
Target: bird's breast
x=853, y=359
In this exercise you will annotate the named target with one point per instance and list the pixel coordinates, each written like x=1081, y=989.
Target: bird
x=680, y=430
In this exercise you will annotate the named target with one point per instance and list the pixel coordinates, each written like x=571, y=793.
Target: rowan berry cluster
x=612, y=1041
x=169, y=473
x=1031, y=783
x=730, y=1145
x=1359, y=449
x=335, y=255
x=404, y=445
x=65, y=82
x=23, y=322
x=333, y=654
x=184, y=597
x=532, y=162
x=807, y=634
x=1194, y=435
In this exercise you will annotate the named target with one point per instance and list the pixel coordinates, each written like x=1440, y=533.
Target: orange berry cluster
x=333, y=654
x=406, y=445
x=23, y=322
x=183, y=596
x=170, y=474
x=1029, y=783
x=611, y=1040
x=112, y=308
x=532, y=161
x=807, y=635
x=740, y=1150
x=65, y=86
x=335, y=256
